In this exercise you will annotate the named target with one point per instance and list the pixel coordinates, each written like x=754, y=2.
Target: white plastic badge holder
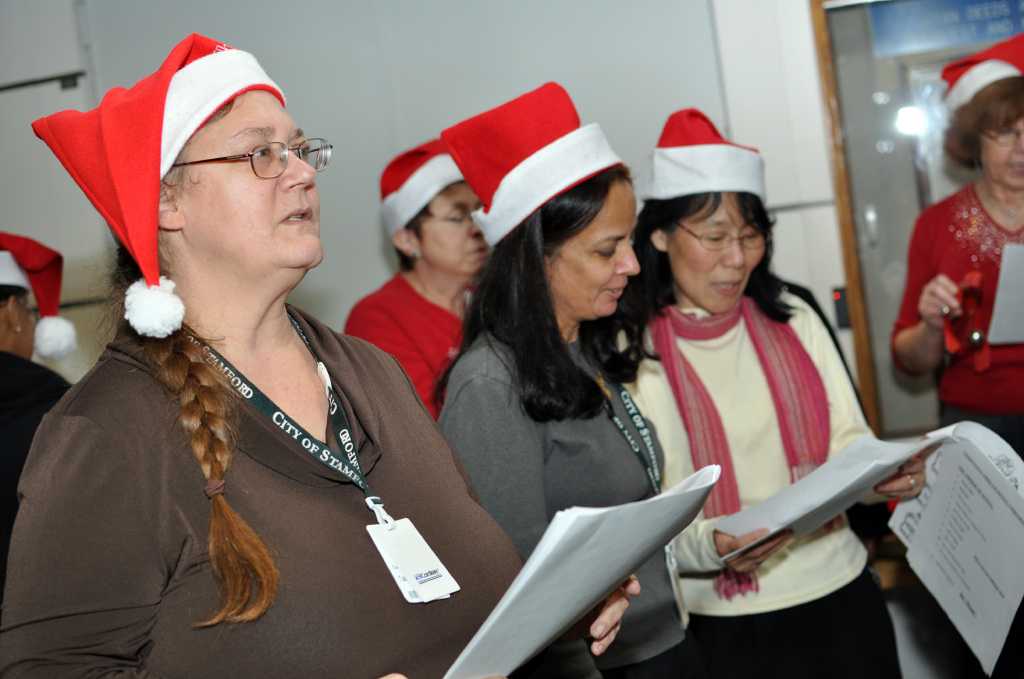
x=417, y=571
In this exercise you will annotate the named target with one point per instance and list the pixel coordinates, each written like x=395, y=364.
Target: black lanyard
x=347, y=463
x=648, y=457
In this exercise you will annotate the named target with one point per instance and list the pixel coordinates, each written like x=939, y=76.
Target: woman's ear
x=407, y=242
x=170, y=216
x=9, y=315
x=660, y=240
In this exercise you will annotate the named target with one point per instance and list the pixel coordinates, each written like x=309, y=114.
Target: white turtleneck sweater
x=810, y=567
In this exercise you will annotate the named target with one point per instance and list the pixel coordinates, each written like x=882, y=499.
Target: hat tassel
x=55, y=337
x=153, y=311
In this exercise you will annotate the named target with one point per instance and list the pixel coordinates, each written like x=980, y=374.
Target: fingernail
x=597, y=630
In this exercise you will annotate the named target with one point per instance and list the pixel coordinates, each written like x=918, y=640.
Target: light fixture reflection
x=911, y=121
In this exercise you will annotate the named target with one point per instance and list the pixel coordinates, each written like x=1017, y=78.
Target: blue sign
x=915, y=26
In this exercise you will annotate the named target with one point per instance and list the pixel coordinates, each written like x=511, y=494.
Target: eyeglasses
x=1007, y=137
x=460, y=218
x=270, y=160
x=717, y=242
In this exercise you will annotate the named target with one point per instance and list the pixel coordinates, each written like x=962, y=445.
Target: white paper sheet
x=965, y=536
x=584, y=554
x=1007, y=326
x=810, y=503
x=908, y=513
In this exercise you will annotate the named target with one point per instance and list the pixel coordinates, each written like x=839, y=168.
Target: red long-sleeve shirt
x=422, y=336
x=953, y=237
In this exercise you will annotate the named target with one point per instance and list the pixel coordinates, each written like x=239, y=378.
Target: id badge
x=417, y=571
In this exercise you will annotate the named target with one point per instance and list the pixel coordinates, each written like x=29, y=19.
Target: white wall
x=378, y=76
x=773, y=99
x=23, y=56
x=38, y=198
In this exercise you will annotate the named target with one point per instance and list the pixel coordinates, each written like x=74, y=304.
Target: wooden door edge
x=855, y=298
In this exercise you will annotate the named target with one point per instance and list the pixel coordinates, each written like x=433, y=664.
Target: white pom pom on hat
x=55, y=337
x=153, y=311
x=26, y=263
x=119, y=151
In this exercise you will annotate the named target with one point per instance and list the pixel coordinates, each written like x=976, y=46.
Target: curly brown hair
x=994, y=108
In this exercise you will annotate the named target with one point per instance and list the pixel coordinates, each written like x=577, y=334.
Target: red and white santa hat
x=412, y=179
x=28, y=264
x=968, y=76
x=518, y=156
x=693, y=157
x=119, y=151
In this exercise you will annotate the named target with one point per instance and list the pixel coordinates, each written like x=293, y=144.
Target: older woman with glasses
x=956, y=250
x=734, y=371
x=953, y=268
x=417, y=315
x=198, y=505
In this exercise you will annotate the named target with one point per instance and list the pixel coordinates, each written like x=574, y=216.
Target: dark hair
x=654, y=288
x=8, y=291
x=995, y=107
x=405, y=262
x=512, y=307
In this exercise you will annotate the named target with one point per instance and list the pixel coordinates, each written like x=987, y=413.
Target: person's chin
x=721, y=304
x=305, y=254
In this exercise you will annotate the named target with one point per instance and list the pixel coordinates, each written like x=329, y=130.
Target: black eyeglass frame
x=290, y=150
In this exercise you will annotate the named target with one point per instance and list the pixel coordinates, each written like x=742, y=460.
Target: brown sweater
x=108, y=569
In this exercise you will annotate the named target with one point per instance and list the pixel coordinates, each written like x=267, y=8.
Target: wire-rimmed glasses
x=269, y=161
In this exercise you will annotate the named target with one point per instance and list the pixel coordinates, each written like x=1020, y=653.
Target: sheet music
x=583, y=555
x=1007, y=326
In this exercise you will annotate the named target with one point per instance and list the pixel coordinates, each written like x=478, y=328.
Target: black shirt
x=27, y=392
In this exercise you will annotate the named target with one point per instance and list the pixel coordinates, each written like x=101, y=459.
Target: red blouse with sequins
x=956, y=236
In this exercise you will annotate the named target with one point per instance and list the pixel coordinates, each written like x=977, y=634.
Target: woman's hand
x=752, y=559
x=909, y=479
x=609, y=617
x=920, y=348
x=602, y=624
x=938, y=301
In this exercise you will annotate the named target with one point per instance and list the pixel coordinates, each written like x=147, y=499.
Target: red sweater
x=422, y=336
x=953, y=237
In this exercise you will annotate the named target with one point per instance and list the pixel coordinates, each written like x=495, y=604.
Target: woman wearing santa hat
x=529, y=407
x=417, y=315
x=27, y=390
x=735, y=371
x=198, y=505
x=954, y=261
x=957, y=246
